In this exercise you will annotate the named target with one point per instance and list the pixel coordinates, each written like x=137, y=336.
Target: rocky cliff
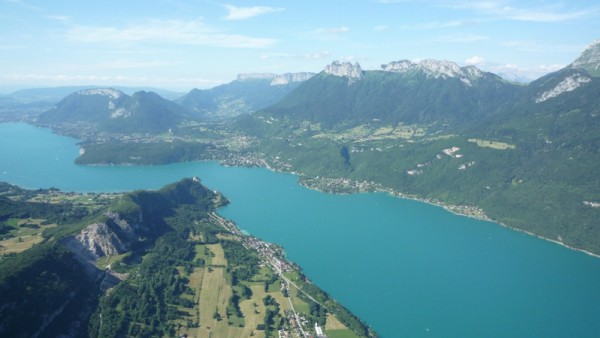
x=589, y=59
x=109, y=238
x=345, y=69
x=436, y=69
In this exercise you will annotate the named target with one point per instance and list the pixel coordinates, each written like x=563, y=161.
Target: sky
x=180, y=45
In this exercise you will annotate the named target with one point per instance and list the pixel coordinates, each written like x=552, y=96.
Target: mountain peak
x=589, y=59
x=436, y=69
x=345, y=69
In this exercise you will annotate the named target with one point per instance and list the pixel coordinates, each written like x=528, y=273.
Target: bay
x=407, y=268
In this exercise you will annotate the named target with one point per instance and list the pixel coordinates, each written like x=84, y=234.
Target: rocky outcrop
x=569, y=84
x=436, y=69
x=589, y=59
x=99, y=240
x=287, y=78
x=110, y=238
x=345, y=69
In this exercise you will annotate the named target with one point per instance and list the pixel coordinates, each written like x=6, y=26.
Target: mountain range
x=527, y=155
x=426, y=92
x=112, y=110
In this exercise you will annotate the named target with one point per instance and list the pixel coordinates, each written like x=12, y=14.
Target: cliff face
x=436, y=69
x=589, y=59
x=288, y=78
x=110, y=238
x=99, y=240
x=345, y=69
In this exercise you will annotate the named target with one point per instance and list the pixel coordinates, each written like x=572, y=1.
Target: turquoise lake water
x=407, y=268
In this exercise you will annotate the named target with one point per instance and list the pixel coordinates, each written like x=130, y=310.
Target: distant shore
x=346, y=186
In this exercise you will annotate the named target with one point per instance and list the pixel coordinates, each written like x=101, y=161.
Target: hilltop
x=111, y=110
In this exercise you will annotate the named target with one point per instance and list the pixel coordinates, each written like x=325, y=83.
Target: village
x=273, y=256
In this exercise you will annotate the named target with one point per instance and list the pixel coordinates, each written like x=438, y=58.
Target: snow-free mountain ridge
x=110, y=109
x=345, y=69
x=589, y=59
x=436, y=69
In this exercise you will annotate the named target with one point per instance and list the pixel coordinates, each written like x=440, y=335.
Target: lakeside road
x=294, y=311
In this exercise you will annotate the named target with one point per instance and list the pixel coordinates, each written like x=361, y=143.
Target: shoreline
x=455, y=209
x=348, y=187
x=353, y=187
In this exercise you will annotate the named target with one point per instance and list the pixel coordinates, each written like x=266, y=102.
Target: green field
x=25, y=234
x=492, y=144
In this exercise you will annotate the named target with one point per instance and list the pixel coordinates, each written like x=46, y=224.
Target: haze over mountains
x=246, y=94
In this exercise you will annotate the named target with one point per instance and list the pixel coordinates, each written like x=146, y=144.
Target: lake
x=409, y=269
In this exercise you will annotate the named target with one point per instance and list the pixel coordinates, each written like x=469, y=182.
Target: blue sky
x=181, y=45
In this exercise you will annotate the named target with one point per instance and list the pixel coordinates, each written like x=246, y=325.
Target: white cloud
x=193, y=32
x=437, y=24
x=328, y=33
x=61, y=18
x=391, y=1
x=334, y=30
x=241, y=13
x=460, y=38
x=513, y=72
x=504, y=10
x=518, y=73
x=318, y=55
x=12, y=47
x=546, y=16
x=184, y=83
x=475, y=60
x=123, y=64
x=24, y=5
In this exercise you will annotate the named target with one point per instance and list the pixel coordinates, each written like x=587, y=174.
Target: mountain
x=147, y=264
x=28, y=104
x=589, y=59
x=248, y=93
x=52, y=288
x=112, y=110
x=524, y=155
x=55, y=94
x=426, y=92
